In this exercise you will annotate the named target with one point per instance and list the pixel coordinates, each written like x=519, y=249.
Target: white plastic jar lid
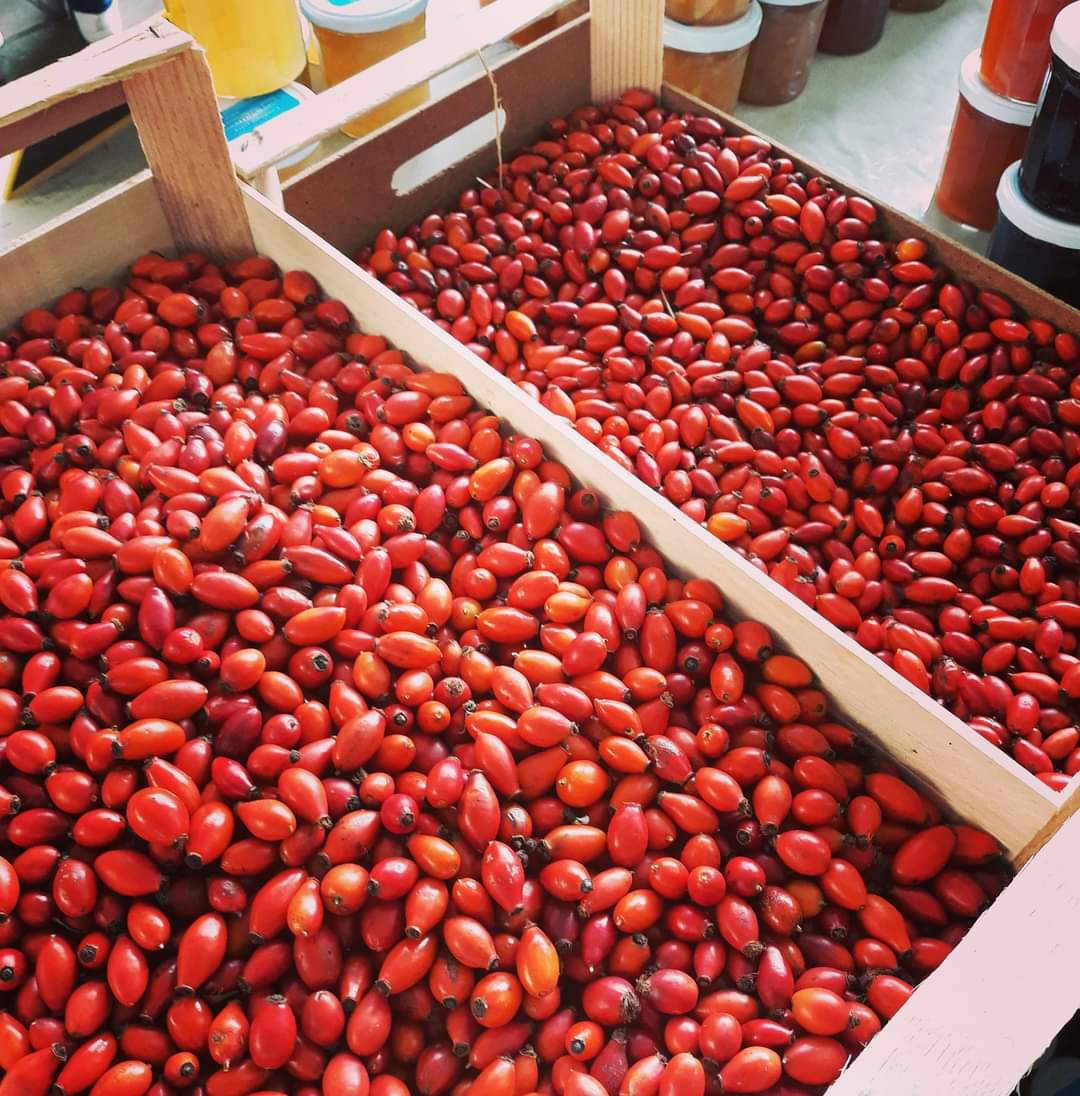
x=725, y=38
x=1011, y=111
x=361, y=16
x=1020, y=213
x=241, y=116
x=1065, y=37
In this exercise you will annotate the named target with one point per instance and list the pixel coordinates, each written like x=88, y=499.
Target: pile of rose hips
x=346, y=747
x=890, y=444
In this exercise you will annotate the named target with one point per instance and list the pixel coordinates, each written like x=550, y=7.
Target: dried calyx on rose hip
x=347, y=746
x=890, y=443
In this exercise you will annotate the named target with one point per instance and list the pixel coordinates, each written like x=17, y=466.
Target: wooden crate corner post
x=164, y=78
x=627, y=47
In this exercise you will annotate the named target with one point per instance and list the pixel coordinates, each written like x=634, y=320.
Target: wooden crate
x=584, y=62
x=979, y=1021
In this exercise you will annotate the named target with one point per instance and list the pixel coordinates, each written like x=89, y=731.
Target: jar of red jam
x=989, y=133
x=1050, y=172
x=1016, y=47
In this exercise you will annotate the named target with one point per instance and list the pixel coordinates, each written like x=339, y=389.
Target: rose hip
x=372, y=755
x=895, y=447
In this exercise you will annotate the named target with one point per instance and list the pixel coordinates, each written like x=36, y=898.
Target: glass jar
x=853, y=26
x=356, y=34
x=709, y=62
x=706, y=12
x=1040, y=248
x=174, y=12
x=989, y=133
x=1016, y=48
x=252, y=46
x=1050, y=172
x=916, y=5
x=783, y=51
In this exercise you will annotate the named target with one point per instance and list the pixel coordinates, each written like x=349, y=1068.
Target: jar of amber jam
x=535, y=31
x=356, y=34
x=706, y=12
x=709, y=62
x=989, y=133
x=1016, y=47
x=1050, y=172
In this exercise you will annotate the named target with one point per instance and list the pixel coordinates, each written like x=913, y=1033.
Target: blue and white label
x=246, y=114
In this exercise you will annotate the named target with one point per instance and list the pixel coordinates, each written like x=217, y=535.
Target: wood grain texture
x=325, y=114
x=346, y=199
x=976, y=781
x=91, y=245
x=45, y=102
x=176, y=113
x=627, y=47
x=978, y=1022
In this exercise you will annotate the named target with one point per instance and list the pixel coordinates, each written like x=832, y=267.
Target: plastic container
x=1016, y=48
x=988, y=133
x=356, y=34
x=706, y=13
x=853, y=26
x=783, y=51
x=1050, y=172
x=916, y=5
x=709, y=62
x=253, y=46
x=1038, y=247
x=241, y=116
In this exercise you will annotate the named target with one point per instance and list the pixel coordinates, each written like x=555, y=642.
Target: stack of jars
x=1037, y=233
x=756, y=50
x=999, y=86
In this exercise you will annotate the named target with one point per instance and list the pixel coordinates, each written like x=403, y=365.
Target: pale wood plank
x=91, y=245
x=975, y=1026
x=975, y=780
x=179, y=124
x=627, y=47
x=139, y=49
x=58, y=117
x=324, y=115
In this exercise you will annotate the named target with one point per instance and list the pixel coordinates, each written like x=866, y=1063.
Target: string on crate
x=496, y=101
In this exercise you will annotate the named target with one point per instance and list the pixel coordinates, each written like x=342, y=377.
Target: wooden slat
x=60, y=116
x=975, y=1026
x=975, y=780
x=326, y=198
x=324, y=115
x=91, y=245
x=179, y=124
x=32, y=105
x=627, y=47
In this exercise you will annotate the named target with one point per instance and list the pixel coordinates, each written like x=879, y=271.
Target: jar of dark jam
x=916, y=5
x=783, y=51
x=1038, y=247
x=853, y=26
x=1050, y=169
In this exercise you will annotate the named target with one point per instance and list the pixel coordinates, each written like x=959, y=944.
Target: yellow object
x=356, y=34
x=253, y=46
x=174, y=9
